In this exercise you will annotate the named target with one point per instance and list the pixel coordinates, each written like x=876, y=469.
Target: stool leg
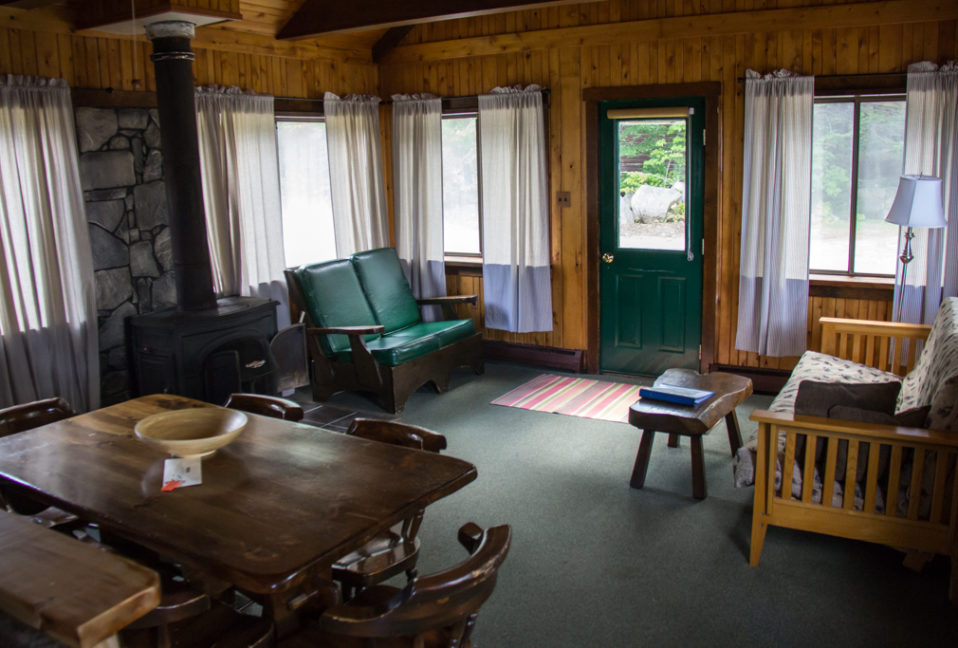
x=642, y=459
x=734, y=435
x=674, y=440
x=698, y=468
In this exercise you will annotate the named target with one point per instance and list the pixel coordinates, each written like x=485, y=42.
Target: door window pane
x=307, y=206
x=832, y=142
x=652, y=183
x=879, y=167
x=460, y=185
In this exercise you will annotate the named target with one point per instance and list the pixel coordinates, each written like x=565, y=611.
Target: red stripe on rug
x=582, y=397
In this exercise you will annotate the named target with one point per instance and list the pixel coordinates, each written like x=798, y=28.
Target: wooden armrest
x=866, y=431
x=449, y=299
x=348, y=330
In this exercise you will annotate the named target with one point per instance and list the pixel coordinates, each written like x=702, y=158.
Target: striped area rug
x=595, y=399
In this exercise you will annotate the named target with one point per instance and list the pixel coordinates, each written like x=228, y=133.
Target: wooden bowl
x=194, y=432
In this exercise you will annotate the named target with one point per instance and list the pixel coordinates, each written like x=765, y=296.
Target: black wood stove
x=204, y=348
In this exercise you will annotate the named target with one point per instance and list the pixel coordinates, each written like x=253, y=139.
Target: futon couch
x=880, y=476
x=365, y=331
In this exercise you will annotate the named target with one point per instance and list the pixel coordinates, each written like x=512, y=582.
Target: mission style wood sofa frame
x=921, y=460
x=365, y=331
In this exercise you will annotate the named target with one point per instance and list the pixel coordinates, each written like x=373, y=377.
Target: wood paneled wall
x=42, y=43
x=631, y=42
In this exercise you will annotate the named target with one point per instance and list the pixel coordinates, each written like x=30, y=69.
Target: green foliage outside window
x=651, y=152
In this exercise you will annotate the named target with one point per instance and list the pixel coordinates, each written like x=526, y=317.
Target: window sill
x=460, y=263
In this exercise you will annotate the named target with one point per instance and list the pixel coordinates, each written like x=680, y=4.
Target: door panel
x=651, y=166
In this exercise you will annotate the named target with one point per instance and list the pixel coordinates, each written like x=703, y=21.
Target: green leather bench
x=365, y=331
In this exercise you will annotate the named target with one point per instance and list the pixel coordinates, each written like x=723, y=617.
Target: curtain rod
x=848, y=76
x=545, y=93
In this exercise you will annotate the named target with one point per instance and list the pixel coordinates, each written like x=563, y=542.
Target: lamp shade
x=918, y=203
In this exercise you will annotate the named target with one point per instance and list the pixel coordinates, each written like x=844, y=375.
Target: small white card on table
x=180, y=472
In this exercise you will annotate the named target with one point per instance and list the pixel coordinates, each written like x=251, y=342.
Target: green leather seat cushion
x=392, y=350
x=386, y=288
x=447, y=332
x=334, y=297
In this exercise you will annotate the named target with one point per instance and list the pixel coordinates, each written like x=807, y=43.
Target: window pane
x=831, y=185
x=460, y=185
x=304, y=182
x=879, y=167
x=652, y=193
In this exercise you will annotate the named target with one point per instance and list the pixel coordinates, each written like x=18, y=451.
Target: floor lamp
x=917, y=204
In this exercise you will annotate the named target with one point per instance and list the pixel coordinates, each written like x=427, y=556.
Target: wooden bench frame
x=892, y=347
x=392, y=385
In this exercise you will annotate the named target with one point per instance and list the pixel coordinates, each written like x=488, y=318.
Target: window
x=460, y=185
x=856, y=162
x=307, y=208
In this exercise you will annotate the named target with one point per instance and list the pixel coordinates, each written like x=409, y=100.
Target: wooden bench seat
x=77, y=593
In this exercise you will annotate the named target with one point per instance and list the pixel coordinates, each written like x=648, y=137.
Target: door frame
x=711, y=91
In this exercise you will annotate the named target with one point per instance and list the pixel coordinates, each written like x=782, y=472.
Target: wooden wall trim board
x=712, y=92
x=862, y=14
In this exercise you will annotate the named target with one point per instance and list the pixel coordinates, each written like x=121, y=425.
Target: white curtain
x=417, y=188
x=356, y=173
x=515, y=210
x=931, y=145
x=776, y=188
x=240, y=170
x=48, y=326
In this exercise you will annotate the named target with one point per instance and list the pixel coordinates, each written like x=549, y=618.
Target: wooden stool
x=692, y=421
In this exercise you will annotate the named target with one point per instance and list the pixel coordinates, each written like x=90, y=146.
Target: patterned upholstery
x=933, y=381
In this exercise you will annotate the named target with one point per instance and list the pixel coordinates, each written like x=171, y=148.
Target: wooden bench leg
x=674, y=440
x=734, y=434
x=642, y=459
x=698, y=467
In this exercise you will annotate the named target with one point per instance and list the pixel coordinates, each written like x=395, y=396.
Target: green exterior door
x=651, y=182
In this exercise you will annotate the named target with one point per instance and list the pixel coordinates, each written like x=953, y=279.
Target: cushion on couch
x=386, y=288
x=334, y=297
x=936, y=366
x=816, y=398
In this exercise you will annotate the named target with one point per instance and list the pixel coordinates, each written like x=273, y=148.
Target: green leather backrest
x=334, y=297
x=386, y=288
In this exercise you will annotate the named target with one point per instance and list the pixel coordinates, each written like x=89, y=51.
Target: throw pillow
x=817, y=398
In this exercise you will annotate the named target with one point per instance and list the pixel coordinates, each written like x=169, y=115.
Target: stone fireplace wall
x=121, y=171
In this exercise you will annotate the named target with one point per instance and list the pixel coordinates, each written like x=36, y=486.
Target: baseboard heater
x=552, y=357
x=764, y=381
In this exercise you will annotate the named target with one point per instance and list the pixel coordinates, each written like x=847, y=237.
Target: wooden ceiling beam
x=317, y=17
x=388, y=41
x=27, y=4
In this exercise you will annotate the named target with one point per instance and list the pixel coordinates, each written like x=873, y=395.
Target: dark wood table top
x=730, y=391
x=72, y=591
x=277, y=505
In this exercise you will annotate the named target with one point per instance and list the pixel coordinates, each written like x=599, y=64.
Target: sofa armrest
x=889, y=346
x=864, y=431
x=448, y=303
x=907, y=468
x=367, y=368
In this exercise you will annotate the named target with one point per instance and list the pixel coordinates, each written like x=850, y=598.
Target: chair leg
x=758, y=541
x=642, y=459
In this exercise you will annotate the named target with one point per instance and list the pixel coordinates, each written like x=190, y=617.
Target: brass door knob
x=608, y=257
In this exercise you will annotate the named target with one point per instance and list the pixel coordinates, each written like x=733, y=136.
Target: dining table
x=276, y=507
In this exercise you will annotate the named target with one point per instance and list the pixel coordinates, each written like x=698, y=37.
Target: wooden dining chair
x=275, y=406
x=390, y=552
x=431, y=611
x=26, y=416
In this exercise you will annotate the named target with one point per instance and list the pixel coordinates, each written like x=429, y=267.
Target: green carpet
x=596, y=563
